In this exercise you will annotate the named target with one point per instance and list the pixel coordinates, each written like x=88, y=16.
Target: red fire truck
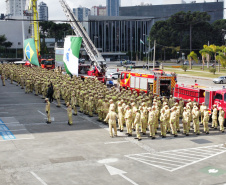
x=89, y=71
x=159, y=83
x=47, y=63
x=211, y=96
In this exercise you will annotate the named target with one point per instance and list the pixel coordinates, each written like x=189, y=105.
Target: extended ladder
x=88, y=45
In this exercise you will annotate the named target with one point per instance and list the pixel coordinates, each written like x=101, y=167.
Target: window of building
x=19, y=43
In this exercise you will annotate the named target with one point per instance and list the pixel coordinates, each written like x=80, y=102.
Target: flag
x=30, y=51
x=72, y=47
x=142, y=42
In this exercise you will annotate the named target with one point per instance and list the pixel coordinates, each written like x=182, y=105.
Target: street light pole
x=148, y=50
x=154, y=55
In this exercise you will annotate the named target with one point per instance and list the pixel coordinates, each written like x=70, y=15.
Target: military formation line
x=140, y=113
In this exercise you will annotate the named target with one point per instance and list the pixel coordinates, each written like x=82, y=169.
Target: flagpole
x=154, y=55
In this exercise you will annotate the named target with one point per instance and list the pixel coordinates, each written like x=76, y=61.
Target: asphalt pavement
x=33, y=152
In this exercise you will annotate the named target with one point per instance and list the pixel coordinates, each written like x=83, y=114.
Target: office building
x=113, y=7
x=15, y=8
x=81, y=13
x=2, y=16
x=43, y=13
x=99, y=10
x=163, y=12
x=119, y=34
x=13, y=32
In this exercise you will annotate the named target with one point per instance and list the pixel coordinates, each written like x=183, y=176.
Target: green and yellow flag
x=30, y=51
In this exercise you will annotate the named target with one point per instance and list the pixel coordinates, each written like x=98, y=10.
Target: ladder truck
x=87, y=44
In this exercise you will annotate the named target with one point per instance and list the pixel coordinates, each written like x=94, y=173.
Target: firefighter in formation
x=140, y=113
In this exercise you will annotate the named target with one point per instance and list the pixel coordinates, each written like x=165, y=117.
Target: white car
x=113, y=75
x=220, y=80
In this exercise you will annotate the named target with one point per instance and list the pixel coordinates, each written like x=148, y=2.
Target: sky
x=56, y=12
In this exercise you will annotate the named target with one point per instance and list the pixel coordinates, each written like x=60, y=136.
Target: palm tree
x=192, y=56
x=205, y=54
x=208, y=54
x=215, y=49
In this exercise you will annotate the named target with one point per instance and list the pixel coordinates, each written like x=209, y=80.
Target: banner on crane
x=72, y=47
x=30, y=51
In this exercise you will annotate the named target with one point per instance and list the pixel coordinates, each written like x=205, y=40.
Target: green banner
x=30, y=51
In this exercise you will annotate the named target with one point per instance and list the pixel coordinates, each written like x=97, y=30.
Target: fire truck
x=211, y=96
x=47, y=63
x=159, y=82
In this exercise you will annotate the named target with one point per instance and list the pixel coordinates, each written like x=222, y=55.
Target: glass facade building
x=113, y=7
x=119, y=34
x=163, y=12
x=43, y=11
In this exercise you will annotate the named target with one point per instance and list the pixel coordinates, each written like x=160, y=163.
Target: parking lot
x=33, y=152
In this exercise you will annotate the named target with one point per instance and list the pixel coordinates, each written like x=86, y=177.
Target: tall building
x=163, y=12
x=15, y=8
x=81, y=13
x=2, y=16
x=113, y=7
x=43, y=11
x=99, y=10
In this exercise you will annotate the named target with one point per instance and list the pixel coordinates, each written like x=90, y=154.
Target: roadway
x=33, y=152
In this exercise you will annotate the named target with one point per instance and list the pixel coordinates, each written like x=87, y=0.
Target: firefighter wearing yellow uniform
x=48, y=111
x=214, y=117
x=167, y=113
x=173, y=117
x=57, y=95
x=120, y=116
x=73, y=103
x=143, y=118
x=186, y=115
x=137, y=123
x=163, y=118
x=221, y=119
x=206, y=120
x=69, y=113
x=177, y=117
x=202, y=107
x=151, y=121
x=112, y=116
x=195, y=116
x=181, y=104
x=3, y=79
x=134, y=109
x=128, y=119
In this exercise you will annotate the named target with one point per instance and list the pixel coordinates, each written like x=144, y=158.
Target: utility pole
x=154, y=55
x=190, y=37
x=148, y=50
x=23, y=36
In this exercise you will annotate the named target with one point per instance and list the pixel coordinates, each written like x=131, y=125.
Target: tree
x=208, y=54
x=205, y=53
x=192, y=56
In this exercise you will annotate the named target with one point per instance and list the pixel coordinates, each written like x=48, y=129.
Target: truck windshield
x=218, y=96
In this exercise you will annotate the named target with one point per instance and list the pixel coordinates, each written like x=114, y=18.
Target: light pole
x=132, y=49
x=148, y=48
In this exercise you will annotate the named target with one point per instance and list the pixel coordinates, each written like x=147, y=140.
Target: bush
x=184, y=67
x=212, y=70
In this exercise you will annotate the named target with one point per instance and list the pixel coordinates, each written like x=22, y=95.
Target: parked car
x=113, y=75
x=219, y=80
x=127, y=62
x=82, y=61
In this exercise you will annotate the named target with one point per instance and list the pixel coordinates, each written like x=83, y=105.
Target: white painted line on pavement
x=198, y=161
x=38, y=178
x=159, y=154
x=164, y=159
x=154, y=161
x=194, y=158
x=41, y=113
x=116, y=142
